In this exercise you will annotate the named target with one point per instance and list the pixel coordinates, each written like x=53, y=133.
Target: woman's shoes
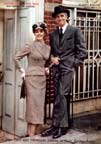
x=25, y=136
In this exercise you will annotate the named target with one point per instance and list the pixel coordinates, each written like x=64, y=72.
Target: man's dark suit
x=72, y=52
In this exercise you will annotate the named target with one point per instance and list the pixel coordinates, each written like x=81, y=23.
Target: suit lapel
x=56, y=37
x=66, y=34
x=40, y=48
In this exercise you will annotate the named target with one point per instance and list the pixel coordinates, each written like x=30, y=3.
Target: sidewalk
x=86, y=130
x=72, y=137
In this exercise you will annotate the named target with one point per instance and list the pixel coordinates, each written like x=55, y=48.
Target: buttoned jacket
x=71, y=50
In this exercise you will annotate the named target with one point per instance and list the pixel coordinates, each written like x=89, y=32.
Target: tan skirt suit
x=37, y=53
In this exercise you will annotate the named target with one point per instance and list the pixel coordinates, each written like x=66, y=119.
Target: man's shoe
x=48, y=132
x=60, y=131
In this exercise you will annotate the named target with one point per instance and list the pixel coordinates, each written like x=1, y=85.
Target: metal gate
x=86, y=83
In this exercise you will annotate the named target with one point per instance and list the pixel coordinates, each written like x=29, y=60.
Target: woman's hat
x=39, y=25
x=60, y=9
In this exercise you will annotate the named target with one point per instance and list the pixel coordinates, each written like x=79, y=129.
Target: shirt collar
x=64, y=27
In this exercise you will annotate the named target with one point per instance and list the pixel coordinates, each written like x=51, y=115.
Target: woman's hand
x=22, y=73
x=46, y=70
x=55, y=60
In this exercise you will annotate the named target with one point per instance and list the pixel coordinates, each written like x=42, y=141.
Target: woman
x=37, y=54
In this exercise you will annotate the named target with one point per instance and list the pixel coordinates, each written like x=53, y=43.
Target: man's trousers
x=62, y=87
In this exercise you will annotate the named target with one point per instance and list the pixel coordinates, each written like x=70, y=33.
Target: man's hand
x=55, y=60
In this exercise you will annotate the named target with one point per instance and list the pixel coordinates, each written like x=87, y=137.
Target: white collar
x=64, y=27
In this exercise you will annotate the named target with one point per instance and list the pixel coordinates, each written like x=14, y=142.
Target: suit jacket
x=71, y=49
x=37, y=53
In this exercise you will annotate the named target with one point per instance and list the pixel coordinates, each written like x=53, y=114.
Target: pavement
x=85, y=130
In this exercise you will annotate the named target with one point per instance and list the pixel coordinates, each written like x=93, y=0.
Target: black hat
x=60, y=9
x=39, y=25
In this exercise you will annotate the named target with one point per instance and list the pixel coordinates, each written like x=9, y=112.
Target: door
x=16, y=35
x=9, y=77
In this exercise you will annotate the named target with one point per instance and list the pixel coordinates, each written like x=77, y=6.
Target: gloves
x=22, y=73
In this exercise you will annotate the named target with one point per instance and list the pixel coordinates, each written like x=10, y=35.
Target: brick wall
x=48, y=18
x=50, y=24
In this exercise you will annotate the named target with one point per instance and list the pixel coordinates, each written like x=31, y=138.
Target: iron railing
x=87, y=78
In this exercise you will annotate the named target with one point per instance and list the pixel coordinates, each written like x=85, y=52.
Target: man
x=67, y=53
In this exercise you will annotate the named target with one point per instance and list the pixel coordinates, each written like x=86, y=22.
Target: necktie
x=60, y=34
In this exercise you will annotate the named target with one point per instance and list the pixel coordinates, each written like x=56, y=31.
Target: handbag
x=23, y=92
